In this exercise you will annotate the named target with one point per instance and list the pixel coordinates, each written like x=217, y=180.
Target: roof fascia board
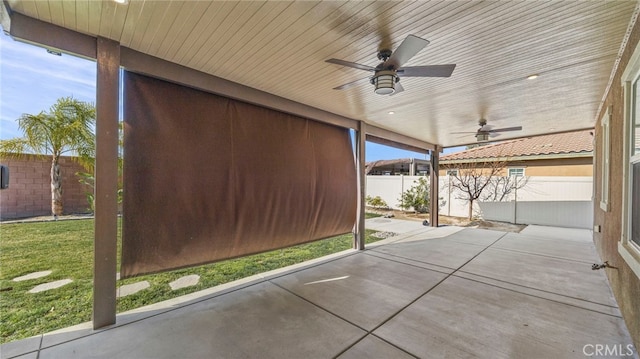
x=520, y=158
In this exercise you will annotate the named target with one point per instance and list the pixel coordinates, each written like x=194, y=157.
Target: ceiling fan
x=386, y=75
x=483, y=133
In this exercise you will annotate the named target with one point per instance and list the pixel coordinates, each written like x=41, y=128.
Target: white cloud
x=31, y=80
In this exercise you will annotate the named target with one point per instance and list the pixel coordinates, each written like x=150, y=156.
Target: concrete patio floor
x=427, y=293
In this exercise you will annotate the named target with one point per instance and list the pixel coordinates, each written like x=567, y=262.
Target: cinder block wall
x=624, y=283
x=29, y=192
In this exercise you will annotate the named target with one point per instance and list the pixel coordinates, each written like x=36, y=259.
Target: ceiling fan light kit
x=385, y=82
x=482, y=136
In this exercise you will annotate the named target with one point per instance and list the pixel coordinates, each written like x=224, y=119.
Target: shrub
x=376, y=202
x=416, y=197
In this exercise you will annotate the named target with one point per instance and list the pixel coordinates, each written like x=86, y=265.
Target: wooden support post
x=359, y=237
x=106, y=183
x=435, y=188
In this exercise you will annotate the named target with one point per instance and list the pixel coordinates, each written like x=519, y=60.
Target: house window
x=516, y=172
x=604, y=158
x=629, y=246
x=452, y=173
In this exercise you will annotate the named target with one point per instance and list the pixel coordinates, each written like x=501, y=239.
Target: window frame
x=449, y=172
x=629, y=250
x=509, y=169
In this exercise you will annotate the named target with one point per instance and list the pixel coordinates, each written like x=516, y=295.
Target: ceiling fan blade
x=399, y=88
x=350, y=64
x=407, y=49
x=516, y=128
x=456, y=133
x=427, y=71
x=350, y=84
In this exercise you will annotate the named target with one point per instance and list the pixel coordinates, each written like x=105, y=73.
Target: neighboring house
x=403, y=166
x=562, y=154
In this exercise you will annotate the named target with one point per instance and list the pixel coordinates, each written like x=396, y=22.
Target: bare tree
x=473, y=178
x=500, y=188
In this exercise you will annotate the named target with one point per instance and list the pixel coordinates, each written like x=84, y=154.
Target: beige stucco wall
x=548, y=167
x=624, y=282
x=561, y=168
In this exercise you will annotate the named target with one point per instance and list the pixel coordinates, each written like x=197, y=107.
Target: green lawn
x=66, y=248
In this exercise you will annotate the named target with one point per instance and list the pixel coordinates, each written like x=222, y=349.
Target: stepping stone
x=186, y=281
x=50, y=285
x=33, y=275
x=132, y=288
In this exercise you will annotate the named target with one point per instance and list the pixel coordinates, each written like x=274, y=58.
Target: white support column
x=359, y=237
x=435, y=188
x=106, y=183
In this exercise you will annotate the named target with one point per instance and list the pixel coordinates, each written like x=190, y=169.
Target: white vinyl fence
x=552, y=201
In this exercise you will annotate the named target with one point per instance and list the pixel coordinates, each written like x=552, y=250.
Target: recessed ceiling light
x=121, y=1
x=391, y=113
x=532, y=77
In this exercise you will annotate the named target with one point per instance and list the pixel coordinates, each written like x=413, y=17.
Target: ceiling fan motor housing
x=385, y=82
x=384, y=55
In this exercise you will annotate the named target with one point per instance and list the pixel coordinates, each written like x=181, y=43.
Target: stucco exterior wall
x=29, y=192
x=624, y=282
x=565, y=167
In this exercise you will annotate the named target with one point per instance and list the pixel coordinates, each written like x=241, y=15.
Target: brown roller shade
x=208, y=178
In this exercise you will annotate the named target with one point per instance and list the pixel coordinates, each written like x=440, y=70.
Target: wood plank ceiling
x=280, y=47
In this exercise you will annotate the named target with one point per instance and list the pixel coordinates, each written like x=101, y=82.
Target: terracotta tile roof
x=561, y=143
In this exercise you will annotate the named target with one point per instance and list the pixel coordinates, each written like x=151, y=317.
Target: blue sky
x=31, y=80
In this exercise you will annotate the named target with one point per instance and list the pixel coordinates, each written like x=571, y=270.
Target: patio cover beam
x=393, y=139
x=51, y=36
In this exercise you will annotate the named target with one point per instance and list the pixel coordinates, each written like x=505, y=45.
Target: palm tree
x=67, y=127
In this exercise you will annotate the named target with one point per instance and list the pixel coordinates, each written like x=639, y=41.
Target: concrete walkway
x=428, y=293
